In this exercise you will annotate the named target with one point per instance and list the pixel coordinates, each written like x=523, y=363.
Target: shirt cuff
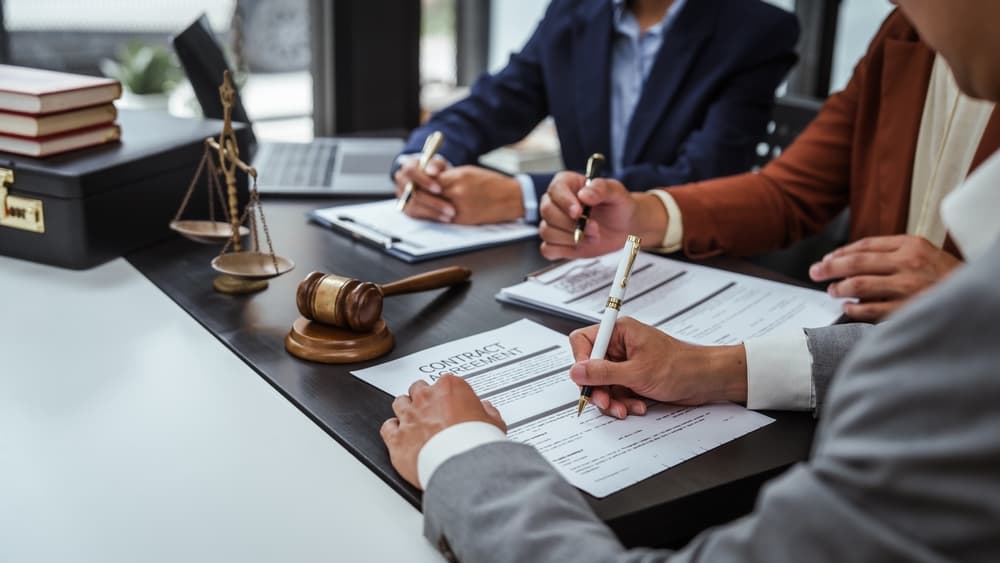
x=451, y=442
x=528, y=197
x=674, y=236
x=779, y=372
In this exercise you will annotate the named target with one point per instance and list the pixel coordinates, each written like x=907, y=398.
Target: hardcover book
x=63, y=142
x=37, y=91
x=28, y=125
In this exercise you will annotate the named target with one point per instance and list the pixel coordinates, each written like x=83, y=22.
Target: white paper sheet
x=383, y=223
x=523, y=369
x=691, y=302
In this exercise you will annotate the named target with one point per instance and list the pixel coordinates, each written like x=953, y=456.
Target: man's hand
x=481, y=196
x=424, y=204
x=427, y=410
x=464, y=195
x=615, y=213
x=882, y=273
x=644, y=362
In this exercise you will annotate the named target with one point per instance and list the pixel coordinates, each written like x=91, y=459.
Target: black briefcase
x=82, y=208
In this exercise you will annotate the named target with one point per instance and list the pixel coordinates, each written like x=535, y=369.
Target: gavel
x=357, y=305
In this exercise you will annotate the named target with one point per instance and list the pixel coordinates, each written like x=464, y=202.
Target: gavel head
x=339, y=301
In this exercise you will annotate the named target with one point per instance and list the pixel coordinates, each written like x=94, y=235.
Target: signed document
x=523, y=369
x=695, y=303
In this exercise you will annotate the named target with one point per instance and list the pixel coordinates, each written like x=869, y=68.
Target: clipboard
x=381, y=226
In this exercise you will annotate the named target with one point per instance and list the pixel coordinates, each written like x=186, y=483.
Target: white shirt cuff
x=528, y=197
x=451, y=442
x=674, y=236
x=779, y=372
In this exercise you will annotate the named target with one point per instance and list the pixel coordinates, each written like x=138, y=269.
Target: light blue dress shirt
x=632, y=56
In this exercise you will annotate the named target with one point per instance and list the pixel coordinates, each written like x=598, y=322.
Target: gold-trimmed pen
x=611, y=310
x=431, y=146
x=593, y=170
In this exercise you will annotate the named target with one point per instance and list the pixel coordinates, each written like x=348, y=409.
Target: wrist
x=651, y=219
x=729, y=364
x=717, y=373
x=513, y=198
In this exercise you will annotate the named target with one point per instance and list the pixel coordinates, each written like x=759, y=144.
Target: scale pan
x=251, y=265
x=207, y=232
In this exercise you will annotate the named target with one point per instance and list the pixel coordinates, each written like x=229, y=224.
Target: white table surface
x=129, y=433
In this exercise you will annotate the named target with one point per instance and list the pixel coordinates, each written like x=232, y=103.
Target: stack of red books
x=43, y=112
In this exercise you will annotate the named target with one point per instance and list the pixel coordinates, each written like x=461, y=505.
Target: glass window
x=437, y=42
x=271, y=50
x=511, y=24
x=859, y=21
x=786, y=4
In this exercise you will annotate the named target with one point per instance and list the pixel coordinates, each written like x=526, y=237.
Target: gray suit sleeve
x=828, y=347
x=905, y=466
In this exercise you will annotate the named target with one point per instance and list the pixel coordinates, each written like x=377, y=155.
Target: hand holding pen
x=593, y=170
x=615, y=298
x=431, y=146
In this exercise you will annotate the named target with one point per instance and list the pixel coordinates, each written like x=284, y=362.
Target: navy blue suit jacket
x=702, y=110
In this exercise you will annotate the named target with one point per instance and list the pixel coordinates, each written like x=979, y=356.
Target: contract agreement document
x=523, y=369
x=690, y=302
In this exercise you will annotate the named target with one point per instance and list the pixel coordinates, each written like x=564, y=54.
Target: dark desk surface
x=673, y=505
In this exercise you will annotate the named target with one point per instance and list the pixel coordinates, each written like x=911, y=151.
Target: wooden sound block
x=327, y=344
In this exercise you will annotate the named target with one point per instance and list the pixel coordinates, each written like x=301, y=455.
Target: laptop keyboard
x=299, y=164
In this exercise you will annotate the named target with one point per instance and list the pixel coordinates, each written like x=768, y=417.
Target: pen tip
x=577, y=236
x=582, y=404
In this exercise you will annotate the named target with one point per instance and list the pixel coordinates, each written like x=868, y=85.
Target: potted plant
x=147, y=74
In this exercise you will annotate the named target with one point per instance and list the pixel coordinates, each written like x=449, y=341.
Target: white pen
x=611, y=310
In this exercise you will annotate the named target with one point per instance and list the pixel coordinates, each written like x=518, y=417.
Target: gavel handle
x=429, y=280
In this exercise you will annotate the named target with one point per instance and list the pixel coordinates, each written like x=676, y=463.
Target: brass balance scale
x=242, y=271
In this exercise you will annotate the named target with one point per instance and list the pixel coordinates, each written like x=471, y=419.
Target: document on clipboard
x=413, y=240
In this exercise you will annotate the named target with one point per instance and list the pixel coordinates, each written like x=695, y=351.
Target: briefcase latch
x=19, y=212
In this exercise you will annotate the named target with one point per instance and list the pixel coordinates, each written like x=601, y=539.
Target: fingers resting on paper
x=464, y=195
x=429, y=207
x=481, y=196
x=426, y=179
x=426, y=410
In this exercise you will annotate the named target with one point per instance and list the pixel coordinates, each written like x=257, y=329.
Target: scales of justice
x=241, y=271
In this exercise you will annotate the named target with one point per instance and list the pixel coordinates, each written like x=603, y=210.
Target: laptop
x=329, y=166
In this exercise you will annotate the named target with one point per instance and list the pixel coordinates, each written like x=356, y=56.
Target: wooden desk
x=669, y=507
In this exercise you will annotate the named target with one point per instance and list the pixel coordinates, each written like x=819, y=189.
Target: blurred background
x=279, y=47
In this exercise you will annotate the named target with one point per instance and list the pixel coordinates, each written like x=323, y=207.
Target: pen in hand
x=431, y=146
x=611, y=310
x=593, y=170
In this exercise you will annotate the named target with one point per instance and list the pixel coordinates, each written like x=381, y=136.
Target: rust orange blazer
x=859, y=151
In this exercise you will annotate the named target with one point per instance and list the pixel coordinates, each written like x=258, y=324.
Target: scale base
x=327, y=344
x=236, y=286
